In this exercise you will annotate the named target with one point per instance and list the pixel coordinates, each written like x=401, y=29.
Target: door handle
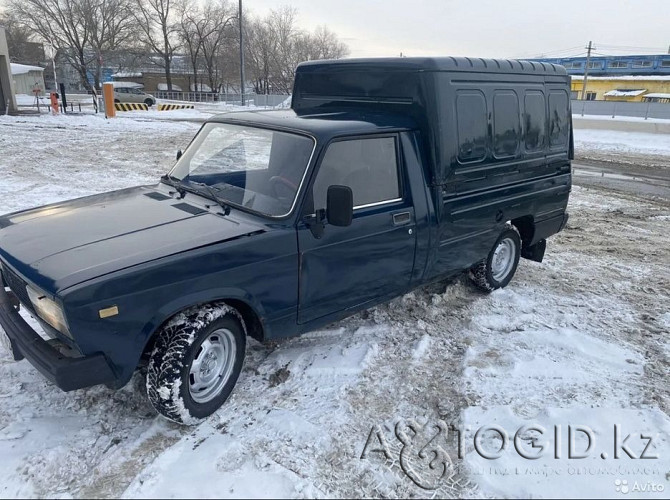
x=401, y=218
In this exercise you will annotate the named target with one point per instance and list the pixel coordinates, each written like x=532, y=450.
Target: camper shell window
x=558, y=119
x=506, y=125
x=534, y=118
x=471, y=119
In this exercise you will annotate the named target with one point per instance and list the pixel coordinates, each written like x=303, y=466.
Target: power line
x=570, y=49
x=569, y=52
x=637, y=47
x=630, y=48
x=555, y=51
x=566, y=56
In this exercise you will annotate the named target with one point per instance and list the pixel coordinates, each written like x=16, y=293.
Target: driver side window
x=368, y=166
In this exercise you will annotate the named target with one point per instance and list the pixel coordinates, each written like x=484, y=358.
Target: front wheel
x=498, y=269
x=149, y=102
x=195, y=363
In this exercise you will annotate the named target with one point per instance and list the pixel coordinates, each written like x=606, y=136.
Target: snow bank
x=618, y=118
x=611, y=141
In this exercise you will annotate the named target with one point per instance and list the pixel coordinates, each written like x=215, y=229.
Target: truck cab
x=385, y=175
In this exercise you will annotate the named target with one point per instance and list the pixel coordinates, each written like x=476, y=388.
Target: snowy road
x=581, y=339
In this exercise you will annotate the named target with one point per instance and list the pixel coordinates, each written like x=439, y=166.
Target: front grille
x=16, y=285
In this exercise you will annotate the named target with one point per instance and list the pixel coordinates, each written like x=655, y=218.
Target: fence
x=260, y=100
x=619, y=108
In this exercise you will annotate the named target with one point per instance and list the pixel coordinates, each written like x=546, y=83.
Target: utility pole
x=586, y=68
x=239, y=15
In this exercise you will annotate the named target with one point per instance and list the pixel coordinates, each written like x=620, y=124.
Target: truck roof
x=469, y=64
x=323, y=125
x=422, y=88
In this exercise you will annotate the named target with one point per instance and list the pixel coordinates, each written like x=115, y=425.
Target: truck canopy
x=423, y=88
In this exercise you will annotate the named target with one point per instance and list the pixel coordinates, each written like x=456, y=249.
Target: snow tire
x=181, y=341
x=492, y=273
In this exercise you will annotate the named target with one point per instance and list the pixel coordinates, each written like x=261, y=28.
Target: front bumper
x=68, y=373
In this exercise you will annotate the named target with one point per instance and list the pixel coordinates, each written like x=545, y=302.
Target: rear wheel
x=195, y=363
x=498, y=269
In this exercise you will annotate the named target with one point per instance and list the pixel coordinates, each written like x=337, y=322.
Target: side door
x=373, y=257
x=135, y=95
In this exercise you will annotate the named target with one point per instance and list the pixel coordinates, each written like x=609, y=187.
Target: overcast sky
x=487, y=28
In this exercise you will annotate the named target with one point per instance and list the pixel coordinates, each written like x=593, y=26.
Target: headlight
x=48, y=310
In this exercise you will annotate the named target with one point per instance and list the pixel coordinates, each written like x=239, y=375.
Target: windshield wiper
x=175, y=183
x=213, y=195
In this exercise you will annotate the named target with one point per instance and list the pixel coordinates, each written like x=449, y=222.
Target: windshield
x=255, y=168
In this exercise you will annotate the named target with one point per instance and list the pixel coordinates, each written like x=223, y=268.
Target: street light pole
x=53, y=63
x=239, y=15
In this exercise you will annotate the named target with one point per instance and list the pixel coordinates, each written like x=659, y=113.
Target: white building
x=27, y=78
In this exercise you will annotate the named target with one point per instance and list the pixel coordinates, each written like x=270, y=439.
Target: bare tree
x=159, y=31
x=63, y=24
x=275, y=47
x=80, y=31
x=190, y=27
x=111, y=28
x=282, y=23
x=204, y=31
x=22, y=49
x=324, y=44
x=228, y=60
x=88, y=34
x=220, y=26
x=260, y=46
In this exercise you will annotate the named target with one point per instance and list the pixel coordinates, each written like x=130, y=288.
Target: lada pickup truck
x=384, y=175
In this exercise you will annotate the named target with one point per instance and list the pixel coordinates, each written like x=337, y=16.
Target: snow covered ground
x=613, y=142
x=580, y=340
x=618, y=118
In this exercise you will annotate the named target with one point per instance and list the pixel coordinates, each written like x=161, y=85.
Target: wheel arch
x=526, y=227
x=249, y=309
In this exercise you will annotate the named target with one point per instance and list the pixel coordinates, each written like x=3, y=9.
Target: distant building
x=154, y=80
x=632, y=88
x=636, y=78
x=27, y=79
x=658, y=64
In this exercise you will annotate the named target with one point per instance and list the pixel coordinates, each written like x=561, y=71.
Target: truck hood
x=61, y=245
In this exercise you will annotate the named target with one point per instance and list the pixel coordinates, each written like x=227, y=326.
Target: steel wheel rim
x=503, y=259
x=212, y=366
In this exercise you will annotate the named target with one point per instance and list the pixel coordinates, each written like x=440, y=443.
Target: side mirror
x=179, y=153
x=340, y=206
